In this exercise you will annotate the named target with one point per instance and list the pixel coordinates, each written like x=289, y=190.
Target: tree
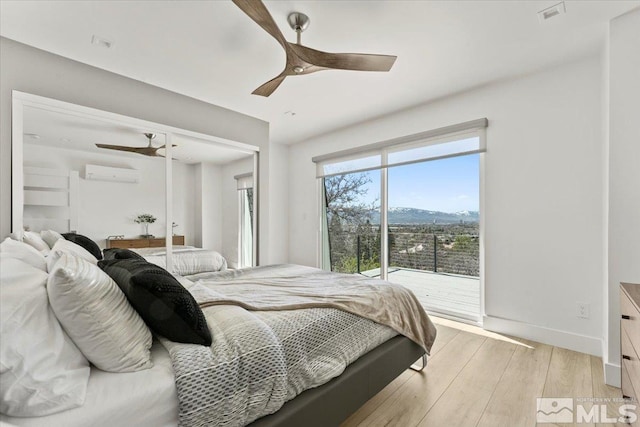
x=343, y=193
x=348, y=217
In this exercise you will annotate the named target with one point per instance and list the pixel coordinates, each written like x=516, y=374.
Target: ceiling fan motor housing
x=298, y=21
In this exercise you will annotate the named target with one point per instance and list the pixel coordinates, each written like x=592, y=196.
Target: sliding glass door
x=409, y=214
x=433, y=233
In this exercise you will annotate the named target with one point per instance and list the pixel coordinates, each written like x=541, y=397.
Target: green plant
x=350, y=264
x=145, y=219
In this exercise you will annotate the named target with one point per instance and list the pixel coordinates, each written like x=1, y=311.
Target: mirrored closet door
x=125, y=183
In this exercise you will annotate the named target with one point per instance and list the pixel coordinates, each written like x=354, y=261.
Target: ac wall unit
x=104, y=173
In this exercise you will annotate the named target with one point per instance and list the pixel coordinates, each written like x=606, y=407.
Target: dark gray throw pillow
x=120, y=253
x=164, y=304
x=85, y=242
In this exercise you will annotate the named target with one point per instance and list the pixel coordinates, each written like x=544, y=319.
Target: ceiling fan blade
x=145, y=151
x=268, y=88
x=257, y=11
x=122, y=148
x=344, y=61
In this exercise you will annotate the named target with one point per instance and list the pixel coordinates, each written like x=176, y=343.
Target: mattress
x=143, y=399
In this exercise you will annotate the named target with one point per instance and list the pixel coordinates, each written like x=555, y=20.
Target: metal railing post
x=358, y=252
x=435, y=254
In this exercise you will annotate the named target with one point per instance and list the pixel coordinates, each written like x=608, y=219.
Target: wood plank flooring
x=480, y=378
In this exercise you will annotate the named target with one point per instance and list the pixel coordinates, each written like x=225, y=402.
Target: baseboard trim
x=558, y=338
x=612, y=374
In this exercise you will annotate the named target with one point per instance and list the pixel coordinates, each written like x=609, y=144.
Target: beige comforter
x=292, y=287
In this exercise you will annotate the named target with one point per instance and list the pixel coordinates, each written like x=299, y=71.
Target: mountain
x=422, y=216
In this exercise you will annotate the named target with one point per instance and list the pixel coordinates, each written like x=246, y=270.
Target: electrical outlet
x=583, y=310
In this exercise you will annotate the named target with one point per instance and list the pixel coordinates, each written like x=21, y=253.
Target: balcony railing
x=441, y=253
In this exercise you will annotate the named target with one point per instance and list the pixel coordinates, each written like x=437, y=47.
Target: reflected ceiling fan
x=304, y=60
x=149, y=150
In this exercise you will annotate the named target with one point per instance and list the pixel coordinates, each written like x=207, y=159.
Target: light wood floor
x=479, y=378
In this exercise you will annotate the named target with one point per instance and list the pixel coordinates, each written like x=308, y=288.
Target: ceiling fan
x=149, y=150
x=304, y=60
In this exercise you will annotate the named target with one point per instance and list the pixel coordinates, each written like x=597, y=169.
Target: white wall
x=209, y=216
x=273, y=202
x=108, y=208
x=230, y=213
x=543, y=196
x=184, y=202
x=624, y=173
x=277, y=249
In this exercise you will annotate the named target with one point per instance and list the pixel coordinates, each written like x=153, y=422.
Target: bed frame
x=331, y=403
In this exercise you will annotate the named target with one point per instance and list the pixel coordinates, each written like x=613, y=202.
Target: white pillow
x=33, y=239
x=14, y=249
x=17, y=235
x=190, y=261
x=41, y=371
x=65, y=246
x=51, y=237
x=97, y=316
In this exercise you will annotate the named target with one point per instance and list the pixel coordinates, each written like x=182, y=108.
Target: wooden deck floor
x=482, y=379
x=457, y=296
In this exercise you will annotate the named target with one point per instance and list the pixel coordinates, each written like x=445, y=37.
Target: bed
x=260, y=370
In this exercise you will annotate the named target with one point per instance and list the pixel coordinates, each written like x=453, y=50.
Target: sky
x=446, y=185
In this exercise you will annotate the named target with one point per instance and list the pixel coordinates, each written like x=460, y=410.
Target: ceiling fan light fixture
x=298, y=69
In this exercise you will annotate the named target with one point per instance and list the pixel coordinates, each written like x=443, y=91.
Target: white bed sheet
x=143, y=399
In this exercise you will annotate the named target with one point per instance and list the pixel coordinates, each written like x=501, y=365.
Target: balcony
x=442, y=270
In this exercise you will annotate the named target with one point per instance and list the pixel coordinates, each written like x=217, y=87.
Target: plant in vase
x=145, y=219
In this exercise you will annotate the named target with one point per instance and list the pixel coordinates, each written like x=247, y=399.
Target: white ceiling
x=60, y=130
x=211, y=51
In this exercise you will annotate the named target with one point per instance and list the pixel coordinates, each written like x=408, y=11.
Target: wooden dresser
x=630, y=340
x=155, y=242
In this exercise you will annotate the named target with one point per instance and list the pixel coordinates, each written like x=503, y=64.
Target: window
x=407, y=211
x=245, y=221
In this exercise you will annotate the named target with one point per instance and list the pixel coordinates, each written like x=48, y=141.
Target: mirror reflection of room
x=108, y=181
x=79, y=178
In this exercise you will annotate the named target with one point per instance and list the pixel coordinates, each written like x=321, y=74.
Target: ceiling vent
x=102, y=42
x=552, y=12
x=104, y=173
